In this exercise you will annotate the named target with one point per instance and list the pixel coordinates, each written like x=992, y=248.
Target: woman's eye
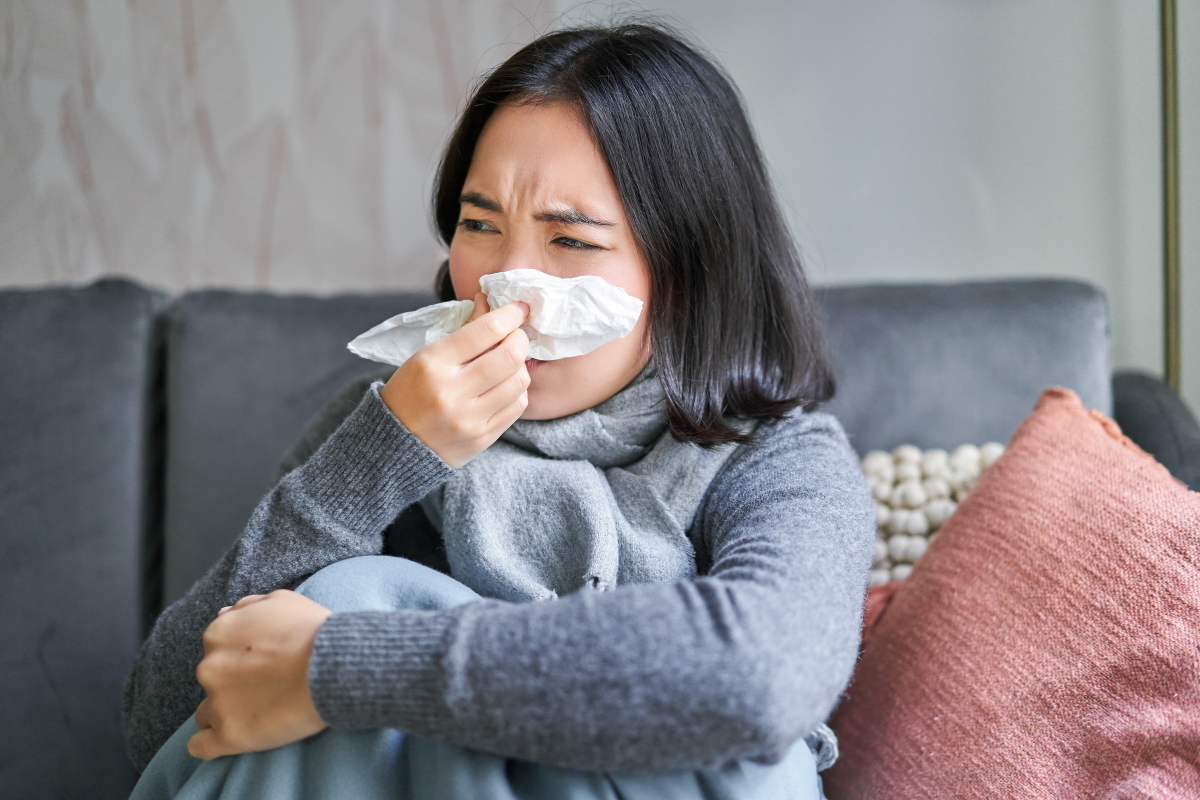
x=574, y=244
x=475, y=225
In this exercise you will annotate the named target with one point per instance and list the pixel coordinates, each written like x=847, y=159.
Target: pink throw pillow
x=1048, y=644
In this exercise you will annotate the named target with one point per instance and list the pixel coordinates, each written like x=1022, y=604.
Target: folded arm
x=738, y=663
x=334, y=507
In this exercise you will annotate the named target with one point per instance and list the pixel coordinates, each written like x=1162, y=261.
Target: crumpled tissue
x=394, y=340
x=567, y=317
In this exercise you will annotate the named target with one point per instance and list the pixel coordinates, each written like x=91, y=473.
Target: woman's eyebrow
x=569, y=215
x=480, y=201
x=562, y=214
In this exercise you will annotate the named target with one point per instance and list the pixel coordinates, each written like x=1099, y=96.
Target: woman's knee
x=383, y=583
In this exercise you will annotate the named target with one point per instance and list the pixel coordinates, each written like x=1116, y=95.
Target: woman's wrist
x=374, y=669
x=370, y=469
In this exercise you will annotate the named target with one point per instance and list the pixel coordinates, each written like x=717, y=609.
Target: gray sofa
x=137, y=432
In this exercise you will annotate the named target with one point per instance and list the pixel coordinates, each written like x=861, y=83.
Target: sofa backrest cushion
x=1154, y=415
x=934, y=365
x=938, y=365
x=75, y=470
x=244, y=374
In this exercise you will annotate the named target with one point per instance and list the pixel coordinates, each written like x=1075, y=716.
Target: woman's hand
x=255, y=671
x=459, y=394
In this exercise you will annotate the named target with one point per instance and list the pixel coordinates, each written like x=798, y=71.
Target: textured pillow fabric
x=1048, y=644
x=879, y=597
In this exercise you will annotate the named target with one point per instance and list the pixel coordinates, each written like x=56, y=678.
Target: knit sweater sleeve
x=335, y=506
x=740, y=662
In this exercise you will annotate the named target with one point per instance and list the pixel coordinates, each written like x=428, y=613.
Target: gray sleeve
x=322, y=425
x=656, y=677
x=334, y=507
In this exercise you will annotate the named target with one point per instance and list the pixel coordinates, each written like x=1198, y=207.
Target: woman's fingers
x=204, y=714
x=499, y=396
x=475, y=338
x=204, y=745
x=245, y=601
x=509, y=414
x=255, y=676
x=481, y=308
x=448, y=393
x=493, y=367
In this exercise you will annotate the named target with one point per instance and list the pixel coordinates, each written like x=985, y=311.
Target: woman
x=707, y=541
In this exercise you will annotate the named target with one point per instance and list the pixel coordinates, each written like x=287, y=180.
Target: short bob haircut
x=734, y=326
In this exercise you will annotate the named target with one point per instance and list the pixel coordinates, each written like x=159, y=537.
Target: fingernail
x=223, y=610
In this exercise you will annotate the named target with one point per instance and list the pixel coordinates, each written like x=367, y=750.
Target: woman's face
x=539, y=196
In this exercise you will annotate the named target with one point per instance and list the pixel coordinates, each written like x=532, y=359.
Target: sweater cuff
x=379, y=669
x=371, y=468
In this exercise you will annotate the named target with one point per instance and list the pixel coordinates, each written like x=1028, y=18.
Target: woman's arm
x=335, y=506
x=655, y=677
x=440, y=408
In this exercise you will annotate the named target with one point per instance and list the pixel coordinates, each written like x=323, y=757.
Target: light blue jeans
x=387, y=764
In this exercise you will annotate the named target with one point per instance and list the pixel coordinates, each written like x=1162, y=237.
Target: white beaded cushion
x=915, y=493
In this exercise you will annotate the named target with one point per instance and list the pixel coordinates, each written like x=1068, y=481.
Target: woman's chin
x=548, y=398
x=541, y=403
x=567, y=386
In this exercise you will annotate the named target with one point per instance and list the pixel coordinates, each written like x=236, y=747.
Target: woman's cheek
x=466, y=268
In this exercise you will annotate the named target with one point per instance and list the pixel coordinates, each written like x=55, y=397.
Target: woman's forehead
x=540, y=159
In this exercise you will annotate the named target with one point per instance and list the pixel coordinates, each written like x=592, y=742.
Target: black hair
x=734, y=326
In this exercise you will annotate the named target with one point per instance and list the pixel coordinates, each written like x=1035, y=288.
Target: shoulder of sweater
x=333, y=413
x=798, y=432
x=801, y=467
x=803, y=448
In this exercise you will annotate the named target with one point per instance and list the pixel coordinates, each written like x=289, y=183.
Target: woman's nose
x=523, y=253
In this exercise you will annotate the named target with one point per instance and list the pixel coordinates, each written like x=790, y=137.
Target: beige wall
x=282, y=144
x=1189, y=71
x=289, y=144
x=935, y=140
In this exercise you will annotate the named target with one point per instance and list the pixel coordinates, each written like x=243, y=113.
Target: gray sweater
x=738, y=662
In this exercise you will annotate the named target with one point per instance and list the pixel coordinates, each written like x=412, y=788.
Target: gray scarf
x=594, y=499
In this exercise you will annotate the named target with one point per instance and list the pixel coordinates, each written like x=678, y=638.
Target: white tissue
x=567, y=317
x=393, y=341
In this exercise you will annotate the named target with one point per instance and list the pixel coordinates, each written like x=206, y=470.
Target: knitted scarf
x=587, y=501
